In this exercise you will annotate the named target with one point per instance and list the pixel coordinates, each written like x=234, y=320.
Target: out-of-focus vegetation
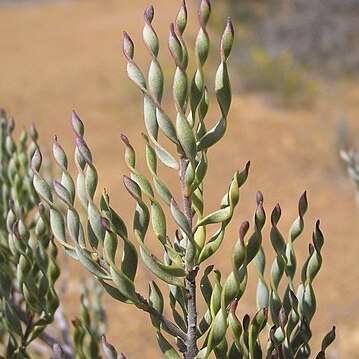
x=32, y=321
x=292, y=47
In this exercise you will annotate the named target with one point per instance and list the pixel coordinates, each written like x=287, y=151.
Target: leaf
x=181, y=219
x=108, y=349
x=213, y=135
x=158, y=222
x=166, y=125
x=124, y=284
x=11, y=319
x=149, y=111
x=328, y=339
x=58, y=227
x=94, y=217
x=186, y=138
x=219, y=328
x=114, y=292
x=163, y=273
x=166, y=348
x=166, y=158
x=223, y=89
x=212, y=246
x=218, y=216
x=156, y=301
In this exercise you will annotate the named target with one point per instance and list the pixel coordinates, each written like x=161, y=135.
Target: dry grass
x=67, y=55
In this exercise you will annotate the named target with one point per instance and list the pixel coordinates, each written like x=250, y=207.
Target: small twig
x=62, y=324
x=170, y=327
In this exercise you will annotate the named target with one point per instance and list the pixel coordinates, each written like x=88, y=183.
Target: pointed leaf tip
x=181, y=19
x=276, y=214
x=109, y=349
x=174, y=45
x=132, y=187
x=243, y=229
x=259, y=197
x=303, y=204
x=84, y=150
x=172, y=31
x=36, y=160
x=77, y=124
x=105, y=224
x=227, y=40
x=149, y=13
x=205, y=7
x=317, y=224
x=33, y=132
x=125, y=140
x=230, y=25
x=127, y=179
x=128, y=46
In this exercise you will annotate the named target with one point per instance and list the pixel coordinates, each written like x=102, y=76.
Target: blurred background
x=294, y=72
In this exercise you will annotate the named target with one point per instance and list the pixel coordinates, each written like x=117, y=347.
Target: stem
x=64, y=329
x=44, y=337
x=190, y=280
x=169, y=326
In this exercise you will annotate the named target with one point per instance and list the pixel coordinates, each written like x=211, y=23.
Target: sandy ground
x=64, y=56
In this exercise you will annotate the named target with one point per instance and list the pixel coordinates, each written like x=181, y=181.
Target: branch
x=64, y=329
x=170, y=327
x=190, y=280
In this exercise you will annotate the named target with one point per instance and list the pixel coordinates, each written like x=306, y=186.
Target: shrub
x=104, y=245
x=29, y=267
x=351, y=159
x=281, y=76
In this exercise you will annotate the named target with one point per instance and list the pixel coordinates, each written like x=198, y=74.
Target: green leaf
x=213, y=135
x=166, y=158
x=186, y=138
x=124, y=284
x=156, y=301
x=168, y=275
x=181, y=219
x=158, y=222
x=166, y=348
x=108, y=349
x=11, y=319
x=328, y=339
x=58, y=227
x=114, y=292
x=166, y=125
